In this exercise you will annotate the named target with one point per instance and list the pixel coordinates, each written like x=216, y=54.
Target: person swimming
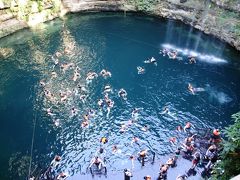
x=122, y=93
x=173, y=140
x=103, y=140
x=192, y=59
x=105, y=73
x=76, y=75
x=190, y=88
x=187, y=127
x=74, y=111
x=140, y=70
x=145, y=128
x=152, y=60
x=56, y=161
x=107, y=89
x=91, y=76
x=135, y=113
x=100, y=103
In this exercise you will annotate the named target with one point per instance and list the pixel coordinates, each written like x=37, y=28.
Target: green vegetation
x=230, y=156
x=143, y=5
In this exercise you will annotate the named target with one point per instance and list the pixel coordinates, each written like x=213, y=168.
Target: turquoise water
x=119, y=44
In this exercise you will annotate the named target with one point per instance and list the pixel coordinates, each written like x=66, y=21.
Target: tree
x=229, y=165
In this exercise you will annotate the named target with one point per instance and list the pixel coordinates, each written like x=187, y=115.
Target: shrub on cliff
x=229, y=165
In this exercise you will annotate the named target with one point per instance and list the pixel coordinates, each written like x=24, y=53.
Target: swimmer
x=172, y=55
x=141, y=70
x=190, y=88
x=49, y=112
x=114, y=148
x=192, y=59
x=62, y=176
x=74, y=111
x=164, y=52
x=172, y=140
x=56, y=161
x=147, y=177
x=83, y=98
x=152, y=60
x=49, y=95
x=42, y=83
x=105, y=73
x=91, y=76
x=103, y=140
x=58, y=54
x=179, y=128
x=110, y=104
x=187, y=126
x=145, y=128
x=76, y=75
x=143, y=153
x=135, y=140
x=135, y=112
x=63, y=96
x=53, y=74
x=57, y=122
x=122, y=93
x=165, y=110
x=91, y=113
x=65, y=66
x=84, y=124
x=82, y=88
x=100, y=103
x=55, y=61
x=107, y=89
x=123, y=128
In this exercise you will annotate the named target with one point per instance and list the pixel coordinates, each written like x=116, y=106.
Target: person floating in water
x=103, y=140
x=135, y=113
x=122, y=93
x=152, y=60
x=56, y=161
x=107, y=89
x=73, y=111
x=110, y=104
x=100, y=103
x=194, y=90
x=165, y=110
x=173, y=140
x=76, y=74
x=62, y=176
x=187, y=127
x=104, y=73
x=141, y=70
x=91, y=76
x=192, y=59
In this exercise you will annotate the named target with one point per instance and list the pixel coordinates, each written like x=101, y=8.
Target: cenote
x=118, y=43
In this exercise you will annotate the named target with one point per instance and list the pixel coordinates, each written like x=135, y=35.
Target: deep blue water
x=119, y=44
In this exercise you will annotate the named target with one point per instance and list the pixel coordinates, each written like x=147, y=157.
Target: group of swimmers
x=107, y=103
x=173, y=54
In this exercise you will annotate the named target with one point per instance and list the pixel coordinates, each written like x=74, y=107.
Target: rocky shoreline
x=212, y=17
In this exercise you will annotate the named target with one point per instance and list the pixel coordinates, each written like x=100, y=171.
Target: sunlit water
x=118, y=44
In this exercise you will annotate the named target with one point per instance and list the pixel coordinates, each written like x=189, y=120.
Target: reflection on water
x=46, y=75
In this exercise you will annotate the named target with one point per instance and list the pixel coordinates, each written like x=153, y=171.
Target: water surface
x=119, y=44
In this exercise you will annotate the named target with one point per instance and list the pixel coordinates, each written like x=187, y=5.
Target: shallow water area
x=119, y=44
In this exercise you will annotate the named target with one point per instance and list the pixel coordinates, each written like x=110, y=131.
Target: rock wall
x=220, y=18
